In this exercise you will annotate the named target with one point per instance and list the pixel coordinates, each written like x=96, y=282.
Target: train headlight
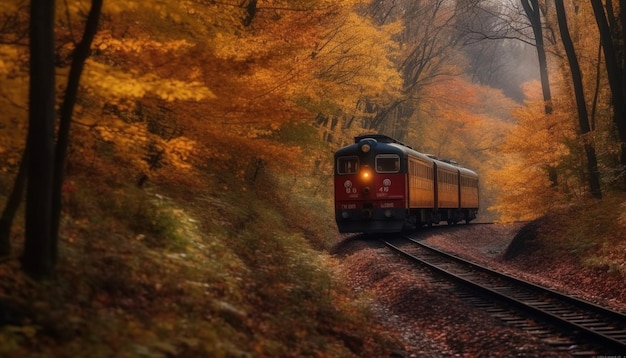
x=366, y=174
x=388, y=213
x=365, y=148
x=345, y=214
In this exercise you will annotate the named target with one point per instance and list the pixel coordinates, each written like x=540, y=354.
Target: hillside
x=225, y=270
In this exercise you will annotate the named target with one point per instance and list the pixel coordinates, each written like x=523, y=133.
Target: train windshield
x=347, y=165
x=387, y=163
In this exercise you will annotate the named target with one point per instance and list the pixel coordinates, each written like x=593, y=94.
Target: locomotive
x=383, y=185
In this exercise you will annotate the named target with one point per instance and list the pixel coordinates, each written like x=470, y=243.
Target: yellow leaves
x=123, y=134
x=105, y=41
x=178, y=151
x=352, y=61
x=110, y=81
x=524, y=191
x=538, y=137
x=327, y=54
x=171, y=90
x=356, y=53
x=133, y=140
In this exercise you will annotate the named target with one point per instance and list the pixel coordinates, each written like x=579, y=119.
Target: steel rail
x=597, y=325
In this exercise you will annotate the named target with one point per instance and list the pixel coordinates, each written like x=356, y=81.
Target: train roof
x=467, y=172
x=392, y=143
x=382, y=143
x=381, y=138
x=405, y=149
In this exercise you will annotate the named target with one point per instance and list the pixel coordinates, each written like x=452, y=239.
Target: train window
x=469, y=182
x=347, y=165
x=387, y=163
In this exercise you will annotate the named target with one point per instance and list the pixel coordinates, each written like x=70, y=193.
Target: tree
x=500, y=51
x=537, y=140
x=428, y=54
x=533, y=12
x=43, y=160
x=38, y=257
x=610, y=39
x=81, y=52
x=593, y=174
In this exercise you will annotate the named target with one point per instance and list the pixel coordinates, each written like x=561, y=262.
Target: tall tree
x=500, y=52
x=581, y=106
x=428, y=55
x=81, y=52
x=533, y=12
x=38, y=257
x=615, y=71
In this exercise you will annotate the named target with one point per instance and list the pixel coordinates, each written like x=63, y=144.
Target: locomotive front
x=370, y=186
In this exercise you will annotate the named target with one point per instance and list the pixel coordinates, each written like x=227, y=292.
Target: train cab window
x=347, y=165
x=387, y=163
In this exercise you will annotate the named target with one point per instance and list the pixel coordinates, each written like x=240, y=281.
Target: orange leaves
x=457, y=118
x=534, y=177
x=540, y=138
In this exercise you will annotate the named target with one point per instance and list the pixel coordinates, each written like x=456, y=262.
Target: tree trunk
x=37, y=259
x=13, y=203
x=81, y=53
x=581, y=105
x=533, y=12
x=615, y=75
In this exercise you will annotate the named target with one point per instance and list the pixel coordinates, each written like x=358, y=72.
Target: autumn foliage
x=191, y=161
x=198, y=169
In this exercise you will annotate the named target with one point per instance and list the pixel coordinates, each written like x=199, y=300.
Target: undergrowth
x=593, y=233
x=232, y=272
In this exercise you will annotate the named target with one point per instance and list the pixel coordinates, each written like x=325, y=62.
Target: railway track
x=601, y=329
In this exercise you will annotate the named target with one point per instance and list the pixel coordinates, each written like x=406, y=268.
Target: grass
x=219, y=272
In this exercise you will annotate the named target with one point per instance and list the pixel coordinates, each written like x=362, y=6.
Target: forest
x=166, y=166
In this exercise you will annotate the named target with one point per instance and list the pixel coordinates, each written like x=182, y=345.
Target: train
x=384, y=186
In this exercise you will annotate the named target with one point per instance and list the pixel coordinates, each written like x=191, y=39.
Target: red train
x=382, y=185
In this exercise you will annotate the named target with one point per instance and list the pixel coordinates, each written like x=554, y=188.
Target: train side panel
x=447, y=186
x=421, y=184
x=469, y=189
